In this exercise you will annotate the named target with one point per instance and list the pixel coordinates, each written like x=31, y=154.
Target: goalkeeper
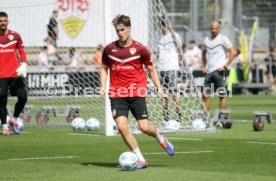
x=168, y=61
x=125, y=59
x=12, y=74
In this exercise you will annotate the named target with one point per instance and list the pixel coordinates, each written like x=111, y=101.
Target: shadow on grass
x=264, y=130
x=98, y=164
x=87, y=133
x=112, y=165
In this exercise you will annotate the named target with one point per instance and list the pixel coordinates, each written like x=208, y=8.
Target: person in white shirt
x=52, y=51
x=216, y=58
x=194, y=55
x=168, y=60
x=43, y=61
x=74, y=60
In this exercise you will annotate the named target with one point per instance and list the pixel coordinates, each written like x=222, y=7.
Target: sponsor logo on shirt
x=113, y=50
x=6, y=50
x=122, y=67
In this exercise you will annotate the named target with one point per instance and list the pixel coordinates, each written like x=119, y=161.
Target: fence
x=191, y=18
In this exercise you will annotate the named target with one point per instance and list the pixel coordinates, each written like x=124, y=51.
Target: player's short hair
x=184, y=45
x=164, y=24
x=3, y=14
x=121, y=19
x=44, y=48
x=238, y=51
x=192, y=42
x=200, y=46
x=162, y=20
x=99, y=47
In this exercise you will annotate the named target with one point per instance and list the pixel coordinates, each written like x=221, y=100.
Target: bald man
x=216, y=58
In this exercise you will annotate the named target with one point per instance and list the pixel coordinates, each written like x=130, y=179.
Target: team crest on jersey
x=132, y=51
x=73, y=15
x=11, y=37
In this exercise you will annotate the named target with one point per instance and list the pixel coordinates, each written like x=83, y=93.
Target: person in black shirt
x=52, y=27
x=270, y=61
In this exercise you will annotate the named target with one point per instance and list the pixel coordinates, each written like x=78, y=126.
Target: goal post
x=69, y=85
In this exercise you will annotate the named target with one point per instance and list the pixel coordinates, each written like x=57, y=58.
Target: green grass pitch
x=61, y=154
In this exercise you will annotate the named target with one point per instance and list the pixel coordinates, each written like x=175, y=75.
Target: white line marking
x=184, y=152
x=83, y=134
x=42, y=158
x=188, y=139
x=262, y=143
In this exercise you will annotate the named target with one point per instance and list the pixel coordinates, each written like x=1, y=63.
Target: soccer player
x=12, y=73
x=126, y=58
x=215, y=63
x=168, y=68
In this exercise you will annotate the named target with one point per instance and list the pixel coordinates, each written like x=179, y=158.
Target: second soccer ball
x=78, y=124
x=92, y=124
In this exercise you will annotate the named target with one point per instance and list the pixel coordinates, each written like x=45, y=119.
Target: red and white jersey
x=127, y=75
x=10, y=44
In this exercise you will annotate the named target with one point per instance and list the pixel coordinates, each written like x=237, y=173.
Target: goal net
x=63, y=81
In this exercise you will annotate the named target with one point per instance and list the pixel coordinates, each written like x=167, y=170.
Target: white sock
x=5, y=126
x=139, y=154
x=159, y=138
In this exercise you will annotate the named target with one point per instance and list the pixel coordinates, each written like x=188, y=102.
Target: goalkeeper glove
x=22, y=70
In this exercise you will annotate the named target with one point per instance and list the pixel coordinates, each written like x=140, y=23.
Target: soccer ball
x=128, y=161
x=78, y=124
x=219, y=125
x=20, y=123
x=173, y=125
x=198, y=124
x=92, y=124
